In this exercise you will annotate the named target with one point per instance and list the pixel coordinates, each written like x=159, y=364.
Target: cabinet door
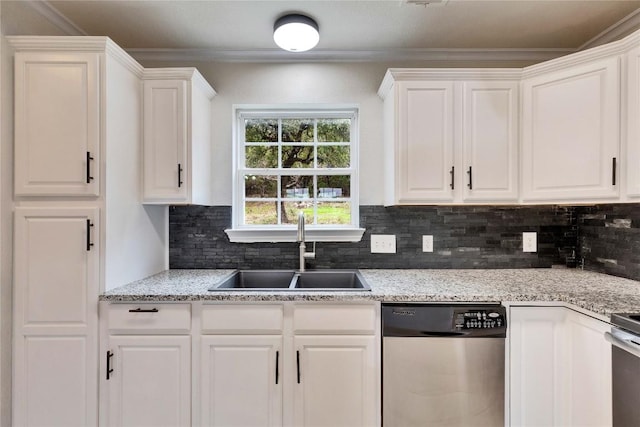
x=633, y=123
x=57, y=124
x=490, y=138
x=241, y=380
x=56, y=285
x=336, y=381
x=151, y=381
x=589, y=372
x=571, y=133
x=166, y=168
x=424, y=163
x=537, y=360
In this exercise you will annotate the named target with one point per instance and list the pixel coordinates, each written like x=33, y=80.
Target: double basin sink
x=291, y=280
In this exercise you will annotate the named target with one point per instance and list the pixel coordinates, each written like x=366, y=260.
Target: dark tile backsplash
x=609, y=239
x=464, y=237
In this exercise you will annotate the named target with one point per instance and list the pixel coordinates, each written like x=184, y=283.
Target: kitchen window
x=288, y=160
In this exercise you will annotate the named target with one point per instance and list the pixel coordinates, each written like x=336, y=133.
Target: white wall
x=16, y=18
x=298, y=83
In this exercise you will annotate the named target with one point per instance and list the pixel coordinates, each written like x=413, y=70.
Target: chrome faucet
x=300, y=239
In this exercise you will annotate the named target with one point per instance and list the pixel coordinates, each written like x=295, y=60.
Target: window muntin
x=297, y=160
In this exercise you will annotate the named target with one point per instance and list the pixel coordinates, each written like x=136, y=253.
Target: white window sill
x=254, y=235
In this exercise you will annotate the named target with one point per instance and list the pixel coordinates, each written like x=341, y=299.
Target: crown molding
x=54, y=16
x=416, y=74
x=595, y=53
x=96, y=44
x=626, y=25
x=180, y=73
x=326, y=55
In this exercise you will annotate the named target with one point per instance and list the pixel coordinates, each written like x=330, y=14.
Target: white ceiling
x=349, y=28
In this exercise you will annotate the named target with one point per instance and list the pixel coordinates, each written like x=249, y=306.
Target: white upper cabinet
x=424, y=147
x=490, y=141
x=57, y=124
x=177, y=137
x=571, y=133
x=451, y=136
x=633, y=123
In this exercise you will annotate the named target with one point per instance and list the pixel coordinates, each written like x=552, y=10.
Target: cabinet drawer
x=149, y=318
x=242, y=319
x=334, y=319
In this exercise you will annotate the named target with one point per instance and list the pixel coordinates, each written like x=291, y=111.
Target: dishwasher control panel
x=479, y=319
x=439, y=320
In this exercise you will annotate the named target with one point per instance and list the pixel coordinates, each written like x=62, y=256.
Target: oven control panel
x=479, y=319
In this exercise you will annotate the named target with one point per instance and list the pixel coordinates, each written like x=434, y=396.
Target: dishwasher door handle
x=627, y=345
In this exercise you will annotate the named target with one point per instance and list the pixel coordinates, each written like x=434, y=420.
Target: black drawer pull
x=179, y=175
x=298, y=365
x=109, y=368
x=613, y=171
x=143, y=310
x=452, y=185
x=470, y=178
x=89, y=158
x=277, y=368
x=89, y=225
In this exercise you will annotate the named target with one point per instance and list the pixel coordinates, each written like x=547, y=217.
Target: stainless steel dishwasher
x=443, y=365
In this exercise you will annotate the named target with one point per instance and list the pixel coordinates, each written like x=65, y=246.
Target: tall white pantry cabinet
x=80, y=227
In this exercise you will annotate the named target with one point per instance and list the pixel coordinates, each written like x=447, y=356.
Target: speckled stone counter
x=598, y=293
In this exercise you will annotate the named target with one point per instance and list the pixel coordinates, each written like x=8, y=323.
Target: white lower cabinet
x=241, y=380
x=56, y=277
x=560, y=368
x=145, y=365
x=336, y=381
x=150, y=384
x=289, y=364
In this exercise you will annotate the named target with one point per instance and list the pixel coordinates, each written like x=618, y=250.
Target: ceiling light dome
x=296, y=33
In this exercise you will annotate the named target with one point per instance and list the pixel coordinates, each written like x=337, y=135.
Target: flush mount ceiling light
x=296, y=33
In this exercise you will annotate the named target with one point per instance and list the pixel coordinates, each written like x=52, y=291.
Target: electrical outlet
x=383, y=244
x=529, y=242
x=427, y=243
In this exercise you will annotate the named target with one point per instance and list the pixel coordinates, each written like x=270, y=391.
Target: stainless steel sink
x=332, y=280
x=246, y=280
x=291, y=280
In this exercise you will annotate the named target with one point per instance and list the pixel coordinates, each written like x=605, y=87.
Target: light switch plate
x=427, y=243
x=529, y=242
x=383, y=244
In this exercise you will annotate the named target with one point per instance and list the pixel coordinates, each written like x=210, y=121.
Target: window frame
x=241, y=232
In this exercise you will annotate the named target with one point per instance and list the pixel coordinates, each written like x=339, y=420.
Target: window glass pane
x=261, y=130
x=260, y=213
x=297, y=156
x=296, y=187
x=333, y=156
x=260, y=186
x=334, y=130
x=261, y=156
x=297, y=130
x=334, y=213
x=291, y=209
x=332, y=186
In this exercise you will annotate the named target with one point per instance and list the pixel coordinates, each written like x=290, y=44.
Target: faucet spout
x=301, y=238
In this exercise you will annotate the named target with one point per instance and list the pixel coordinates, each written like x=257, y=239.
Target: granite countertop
x=598, y=293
